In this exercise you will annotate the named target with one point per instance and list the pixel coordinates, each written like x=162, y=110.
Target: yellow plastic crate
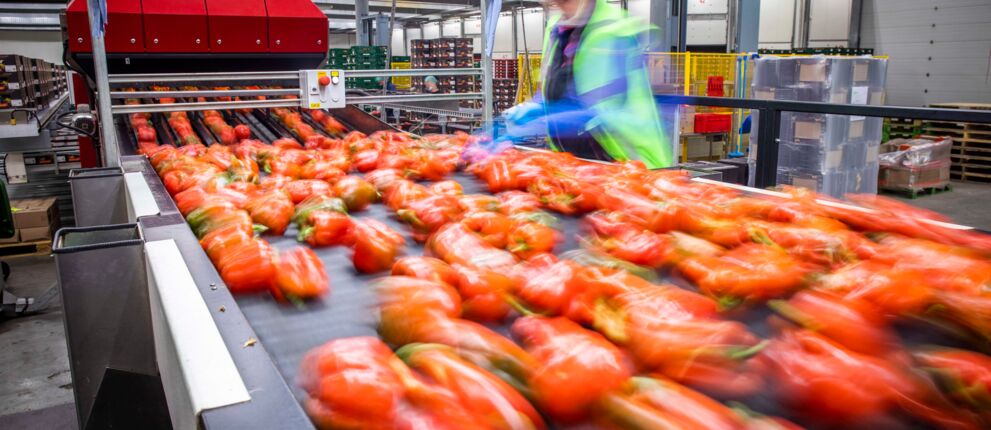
x=402, y=82
x=529, y=82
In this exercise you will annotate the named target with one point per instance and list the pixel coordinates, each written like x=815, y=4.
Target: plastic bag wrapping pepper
x=428, y=214
x=629, y=242
x=965, y=376
x=325, y=170
x=317, y=203
x=497, y=403
x=299, y=275
x=408, y=304
x=945, y=267
x=820, y=380
x=483, y=293
x=493, y=227
x=546, y=287
x=513, y=202
x=471, y=203
x=376, y=246
x=271, y=209
x=301, y=189
x=401, y=193
x=529, y=238
x=327, y=228
x=426, y=268
x=247, y=267
x=895, y=292
x=852, y=322
x=749, y=272
x=644, y=403
x=214, y=213
x=815, y=246
x=670, y=331
x=357, y=193
x=447, y=188
x=218, y=241
x=576, y=366
x=456, y=244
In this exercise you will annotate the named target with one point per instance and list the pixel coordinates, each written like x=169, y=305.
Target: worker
x=430, y=85
x=595, y=97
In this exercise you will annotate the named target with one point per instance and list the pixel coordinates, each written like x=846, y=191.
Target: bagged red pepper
x=299, y=275
x=484, y=293
x=302, y=189
x=427, y=268
x=271, y=209
x=495, y=402
x=247, y=267
x=576, y=367
x=357, y=193
x=327, y=228
x=376, y=246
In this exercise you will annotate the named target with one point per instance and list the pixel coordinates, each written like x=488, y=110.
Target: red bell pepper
x=317, y=203
x=577, y=367
x=366, y=161
x=852, y=322
x=351, y=383
x=324, y=170
x=493, y=227
x=513, y=202
x=428, y=214
x=896, y=292
x=455, y=244
x=384, y=179
x=447, y=188
x=299, y=275
x=242, y=132
x=271, y=209
x=327, y=228
x=427, y=268
x=472, y=203
x=484, y=293
x=217, y=242
x=546, y=287
x=301, y=189
x=402, y=192
x=376, y=246
x=357, y=193
x=966, y=375
x=409, y=305
x=531, y=238
x=247, y=267
x=494, y=401
x=749, y=272
x=823, y=381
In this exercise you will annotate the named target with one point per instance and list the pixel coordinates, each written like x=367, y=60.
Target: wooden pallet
x=26, y=249
x=975, y=106
x=918, y=192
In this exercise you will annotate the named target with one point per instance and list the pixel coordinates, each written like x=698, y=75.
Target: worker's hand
x=523, y=113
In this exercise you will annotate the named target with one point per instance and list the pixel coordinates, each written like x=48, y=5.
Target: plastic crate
x=713, y=122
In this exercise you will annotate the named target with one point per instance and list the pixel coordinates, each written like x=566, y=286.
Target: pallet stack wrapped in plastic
x=832, y=154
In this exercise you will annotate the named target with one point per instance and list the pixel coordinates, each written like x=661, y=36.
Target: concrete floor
x=35, y=385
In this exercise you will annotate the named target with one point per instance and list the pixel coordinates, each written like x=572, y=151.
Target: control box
x=322, y=89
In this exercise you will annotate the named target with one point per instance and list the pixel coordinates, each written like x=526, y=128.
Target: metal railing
x=769, y=124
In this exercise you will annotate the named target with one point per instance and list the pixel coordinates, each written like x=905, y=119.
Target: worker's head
x=430, y=84
x=573, y=9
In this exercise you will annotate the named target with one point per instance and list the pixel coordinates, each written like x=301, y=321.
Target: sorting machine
x=155, y=338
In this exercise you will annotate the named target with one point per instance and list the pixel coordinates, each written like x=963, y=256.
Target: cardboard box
x=35, y=233
x=16, y=238
x=32, y=213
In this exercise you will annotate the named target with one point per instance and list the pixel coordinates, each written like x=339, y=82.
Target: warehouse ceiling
x=43, y=15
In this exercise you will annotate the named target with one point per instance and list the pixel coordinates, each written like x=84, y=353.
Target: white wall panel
x=504, y=34
x=44, y=45
x=706, y=32
x=341, y=40
x=776, y=18
x=533, y=19
x=398, y=44
x=707, y=6
x=830, y=22
x=452, y=29
x=940, y=50
x=431, y=30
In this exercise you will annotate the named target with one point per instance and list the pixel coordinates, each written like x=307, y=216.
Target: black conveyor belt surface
x=288, y=332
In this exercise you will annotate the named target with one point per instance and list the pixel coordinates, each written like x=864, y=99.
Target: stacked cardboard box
x=34, y=219
x=832, y=154
x=30, y=83
x=444, y=53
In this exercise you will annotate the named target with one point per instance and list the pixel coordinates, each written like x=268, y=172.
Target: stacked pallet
x=902, y=128
x=445, y=53
x=971, y=151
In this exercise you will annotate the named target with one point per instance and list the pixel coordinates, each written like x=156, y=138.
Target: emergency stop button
x=324, y=80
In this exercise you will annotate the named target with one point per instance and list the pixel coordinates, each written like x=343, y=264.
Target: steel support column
x=360, y=13
x=111, y=152
x=486, y=65
x=746, y=26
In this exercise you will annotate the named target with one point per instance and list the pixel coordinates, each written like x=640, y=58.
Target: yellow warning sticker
x=314, y=105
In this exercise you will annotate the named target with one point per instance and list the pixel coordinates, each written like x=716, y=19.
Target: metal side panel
x=197, y=370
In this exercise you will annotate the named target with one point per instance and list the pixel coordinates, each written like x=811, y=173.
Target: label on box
x=834, y=159
x=860, y=72
x=812, y=72
x=839, y=96
x=872, y=151
x=811, y=184
x=859, y=96
x=764, y=94
x=877, y=97
x=808, y=130
x=856, y=127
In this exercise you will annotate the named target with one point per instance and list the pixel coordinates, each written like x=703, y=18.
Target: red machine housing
x=175, y=36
